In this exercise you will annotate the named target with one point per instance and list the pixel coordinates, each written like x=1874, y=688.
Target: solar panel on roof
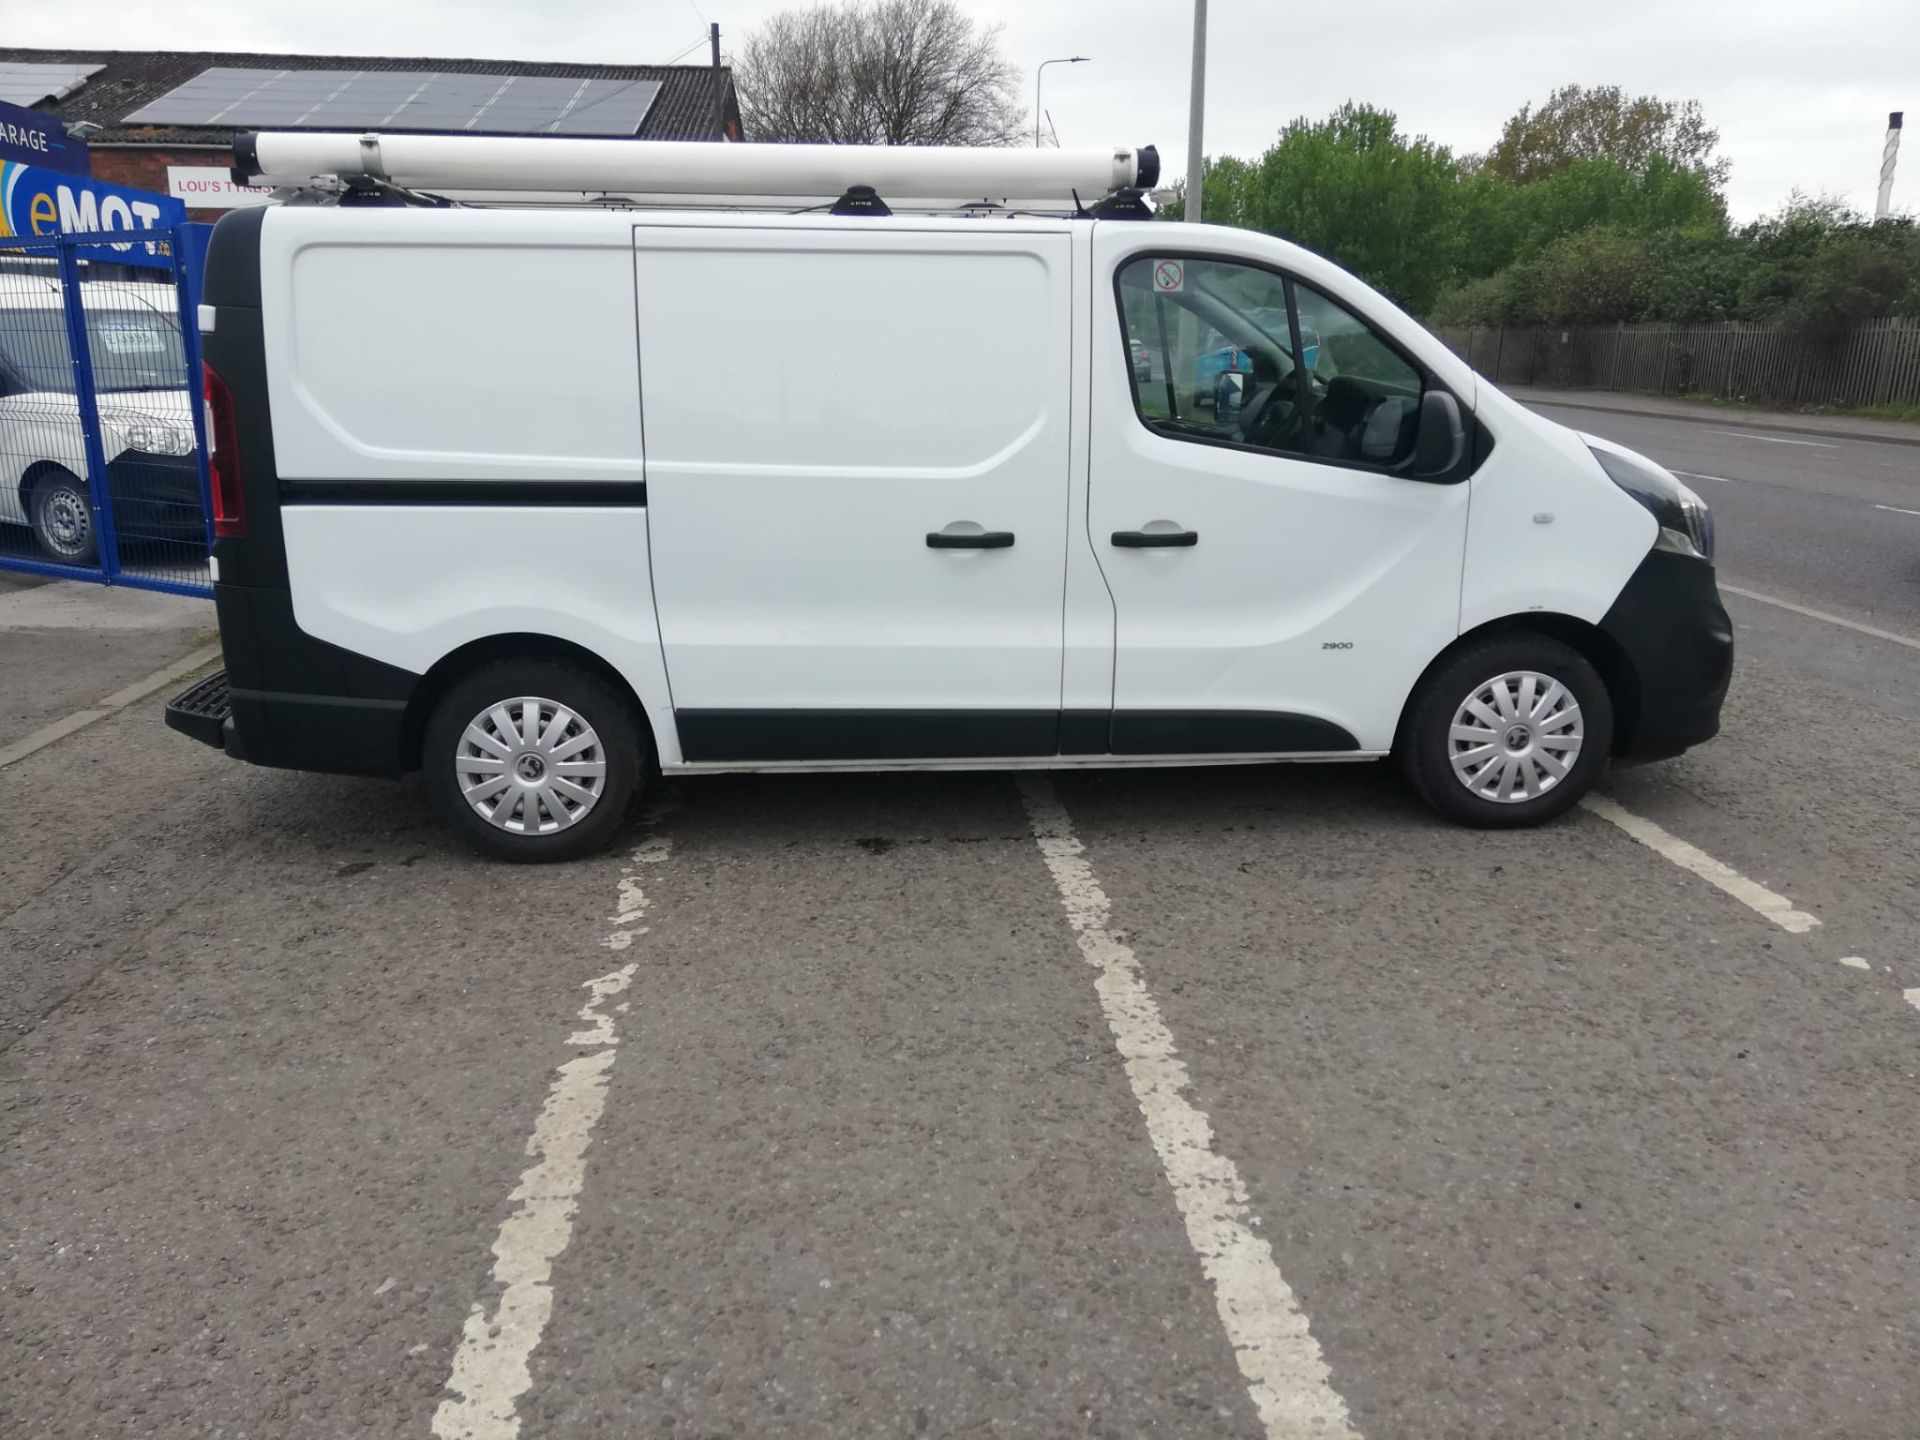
x=25, y=83
x=403, y=100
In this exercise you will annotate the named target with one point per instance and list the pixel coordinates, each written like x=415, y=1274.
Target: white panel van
x=537, y=502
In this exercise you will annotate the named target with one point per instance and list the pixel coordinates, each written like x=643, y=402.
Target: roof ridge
x=26, y=54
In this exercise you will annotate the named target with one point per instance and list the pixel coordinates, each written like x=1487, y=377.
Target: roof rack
x=542, y=169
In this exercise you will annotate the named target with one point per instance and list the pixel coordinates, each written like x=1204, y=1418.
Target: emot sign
x=41, y=203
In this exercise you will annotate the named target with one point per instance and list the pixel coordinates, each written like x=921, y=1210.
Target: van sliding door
x=857, y=470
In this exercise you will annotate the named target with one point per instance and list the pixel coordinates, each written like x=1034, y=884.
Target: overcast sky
x=1800, y=92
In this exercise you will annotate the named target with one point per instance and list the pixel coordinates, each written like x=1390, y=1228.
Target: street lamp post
x=1197, y=113
x=1037, y=74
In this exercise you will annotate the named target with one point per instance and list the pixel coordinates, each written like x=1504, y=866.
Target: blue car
x=1213, y=369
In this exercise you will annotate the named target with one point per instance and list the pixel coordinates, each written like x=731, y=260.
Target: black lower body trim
x=464, y=492
x=865, y=734
x=709, y=736
x=1225, y=732
x=1670, y=623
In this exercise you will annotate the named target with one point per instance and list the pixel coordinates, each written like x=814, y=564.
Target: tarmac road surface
x=1211, y=1102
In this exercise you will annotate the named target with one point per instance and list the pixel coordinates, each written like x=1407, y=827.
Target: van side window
x=1238, y=354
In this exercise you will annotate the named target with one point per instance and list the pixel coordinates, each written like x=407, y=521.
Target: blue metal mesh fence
x=101, y=460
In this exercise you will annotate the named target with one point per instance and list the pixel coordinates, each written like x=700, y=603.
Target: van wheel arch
x=32, y=476
x=454, y=666
x=1593, y=644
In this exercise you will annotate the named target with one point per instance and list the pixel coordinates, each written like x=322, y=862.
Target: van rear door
x=857, y=478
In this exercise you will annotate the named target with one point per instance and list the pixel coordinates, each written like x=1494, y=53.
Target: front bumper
x=1677, y=636
x=157, y=497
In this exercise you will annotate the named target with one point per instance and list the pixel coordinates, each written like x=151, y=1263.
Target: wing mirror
x=1442, y=437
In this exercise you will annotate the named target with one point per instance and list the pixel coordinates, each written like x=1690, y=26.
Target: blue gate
x=103, y=472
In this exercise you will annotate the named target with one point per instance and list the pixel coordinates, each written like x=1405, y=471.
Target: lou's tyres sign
x=36, y=203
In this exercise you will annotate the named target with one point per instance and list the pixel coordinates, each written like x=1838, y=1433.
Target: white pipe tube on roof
x=543, y=163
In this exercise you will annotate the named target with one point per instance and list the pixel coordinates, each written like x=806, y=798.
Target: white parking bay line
x=1753, y=895
x=1897, y=510
x=1781, y=440
x=1812, y=614
x=490, y=1369
x=1285, y=1373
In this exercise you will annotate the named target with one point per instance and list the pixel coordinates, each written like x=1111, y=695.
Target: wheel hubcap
x=1516, y=737
x=65, y=518
x=531, y=766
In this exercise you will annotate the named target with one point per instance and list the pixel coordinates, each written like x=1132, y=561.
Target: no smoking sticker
x=1169, y=276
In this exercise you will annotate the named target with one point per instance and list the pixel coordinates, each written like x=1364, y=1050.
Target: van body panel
x=817, y=404
x=462, y=345
x=407, y=585
x=1086, y=662
x=1550, y=531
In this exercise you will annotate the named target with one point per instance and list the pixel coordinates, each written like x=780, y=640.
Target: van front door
x=857, y=476
x=1279, y=580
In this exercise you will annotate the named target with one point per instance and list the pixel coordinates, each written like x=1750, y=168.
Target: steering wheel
x=1267, y=423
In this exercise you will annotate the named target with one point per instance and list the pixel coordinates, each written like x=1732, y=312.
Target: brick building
x=164, y=120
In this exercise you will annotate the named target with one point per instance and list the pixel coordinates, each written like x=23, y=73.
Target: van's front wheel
x=533, y=760
x=60, y=512
x=1511, y=731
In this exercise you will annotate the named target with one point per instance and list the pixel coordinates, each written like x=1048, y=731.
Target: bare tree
x=878, y=72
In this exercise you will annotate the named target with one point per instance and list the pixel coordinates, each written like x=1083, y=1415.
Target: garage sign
x=33, y=137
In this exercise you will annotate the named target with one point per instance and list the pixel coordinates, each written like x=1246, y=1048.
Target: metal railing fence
x=1877, y=364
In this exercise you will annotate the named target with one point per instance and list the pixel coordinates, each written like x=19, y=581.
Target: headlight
x=1686, y=525
x=149, y=433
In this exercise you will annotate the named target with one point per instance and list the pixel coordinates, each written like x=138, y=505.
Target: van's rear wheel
x=60, y=512
x=1511, y=731
x=534, y=760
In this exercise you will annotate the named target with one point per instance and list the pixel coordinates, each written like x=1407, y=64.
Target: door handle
x=1154, y=539
x=978, y=540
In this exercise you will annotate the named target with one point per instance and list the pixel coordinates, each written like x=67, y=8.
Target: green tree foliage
x=1354, y=188
x=1596, y=208
x=1602, y=122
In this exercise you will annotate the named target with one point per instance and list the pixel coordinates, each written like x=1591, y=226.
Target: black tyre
x=1511, y=731
x=534, y=760
x=61, y=514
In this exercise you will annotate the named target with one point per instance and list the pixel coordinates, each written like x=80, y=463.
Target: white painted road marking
x=119, y=700
x=1856, y=962
x=1782, y=440
x=1912, y=997
x=1752, y=894
x=1897, y=510
x=1813, y=614
x=490, y=1369
x=1285, y=1372
x=1696, y=475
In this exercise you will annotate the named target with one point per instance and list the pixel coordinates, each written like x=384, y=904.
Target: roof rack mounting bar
x=801, y=172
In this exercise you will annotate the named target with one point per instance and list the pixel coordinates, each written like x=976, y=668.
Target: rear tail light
x=223, y=459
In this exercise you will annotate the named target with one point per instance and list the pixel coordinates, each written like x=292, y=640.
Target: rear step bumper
x=205, y=712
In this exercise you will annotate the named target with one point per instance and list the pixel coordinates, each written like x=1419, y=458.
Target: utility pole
x=1884, y=206
x=1196, y=111
x=719, y=86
